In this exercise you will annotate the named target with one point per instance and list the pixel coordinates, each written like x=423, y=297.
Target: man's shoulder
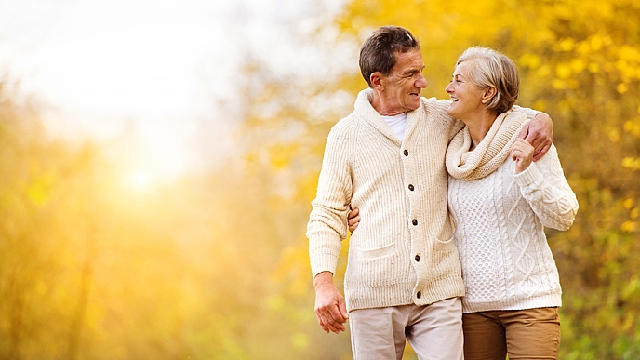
x=344, y=126
x=346, y=122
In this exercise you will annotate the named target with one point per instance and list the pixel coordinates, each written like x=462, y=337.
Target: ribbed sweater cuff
x=529, y=175
x=321, y=262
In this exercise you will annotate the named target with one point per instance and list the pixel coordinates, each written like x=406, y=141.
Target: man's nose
x=422, y=82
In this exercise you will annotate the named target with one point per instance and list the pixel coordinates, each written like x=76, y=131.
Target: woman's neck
x=479, y=125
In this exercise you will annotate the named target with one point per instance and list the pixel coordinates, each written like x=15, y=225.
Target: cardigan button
x=418, y=258
x=414, y=222
x=410, y=187
x=418, y=295
x=406, y=153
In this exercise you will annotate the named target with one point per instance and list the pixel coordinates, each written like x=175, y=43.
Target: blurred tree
x=215, y=266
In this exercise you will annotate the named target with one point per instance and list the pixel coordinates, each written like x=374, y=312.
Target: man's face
x=400, y=91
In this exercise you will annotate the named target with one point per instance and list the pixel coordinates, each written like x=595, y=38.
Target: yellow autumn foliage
x=579, y=61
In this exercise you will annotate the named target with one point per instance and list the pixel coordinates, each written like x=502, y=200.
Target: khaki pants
x=523, y=334
x=434, y=331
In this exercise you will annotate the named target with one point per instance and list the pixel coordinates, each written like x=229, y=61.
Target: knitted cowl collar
x=489, y=154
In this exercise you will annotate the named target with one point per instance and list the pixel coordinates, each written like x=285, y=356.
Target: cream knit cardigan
x=500, y=217
x=403, y=250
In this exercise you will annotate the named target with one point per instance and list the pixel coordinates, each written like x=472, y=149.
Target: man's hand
x=354, y=219
x=330, y=307
x=539, y=133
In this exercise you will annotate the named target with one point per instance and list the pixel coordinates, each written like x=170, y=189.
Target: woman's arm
x=545, y=188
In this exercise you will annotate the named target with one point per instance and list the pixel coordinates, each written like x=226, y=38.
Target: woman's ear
x=489, y=93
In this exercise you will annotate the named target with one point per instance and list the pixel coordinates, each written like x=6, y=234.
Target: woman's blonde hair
x=492, y=69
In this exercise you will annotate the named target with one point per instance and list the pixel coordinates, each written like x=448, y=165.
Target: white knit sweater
x=499, y=220
x=403, y=250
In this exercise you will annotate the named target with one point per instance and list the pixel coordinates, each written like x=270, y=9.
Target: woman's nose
x=449, y=88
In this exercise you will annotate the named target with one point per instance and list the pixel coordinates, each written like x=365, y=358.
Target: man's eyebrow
x=413, y=71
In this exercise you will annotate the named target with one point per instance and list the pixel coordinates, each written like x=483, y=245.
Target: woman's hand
x=522, y=154
x=354, y=219
x=539, y=133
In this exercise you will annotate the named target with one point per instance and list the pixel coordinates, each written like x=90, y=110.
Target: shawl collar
x=364, y=110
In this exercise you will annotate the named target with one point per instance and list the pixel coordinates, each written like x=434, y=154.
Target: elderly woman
x=500, y=201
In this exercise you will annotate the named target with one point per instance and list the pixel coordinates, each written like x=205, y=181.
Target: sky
x=164, y=74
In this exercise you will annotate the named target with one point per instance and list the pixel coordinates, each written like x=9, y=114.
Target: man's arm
x=330, y=308
x=326, y=229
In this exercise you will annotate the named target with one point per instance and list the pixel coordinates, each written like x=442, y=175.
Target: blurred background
x=158, y=160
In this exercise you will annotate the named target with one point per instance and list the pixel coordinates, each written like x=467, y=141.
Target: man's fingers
x=336, y=315
x=523, y=133
x=540, y=152
x=332, y=325
x=331, y=319
x=343, y=310
x=322, y=322
x=327, y=323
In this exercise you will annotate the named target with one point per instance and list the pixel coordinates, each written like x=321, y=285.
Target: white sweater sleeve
x=327, y=225
x=529, y=112
x=546, y=190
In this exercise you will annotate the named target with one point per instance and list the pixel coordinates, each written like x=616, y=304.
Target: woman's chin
x=451, y=112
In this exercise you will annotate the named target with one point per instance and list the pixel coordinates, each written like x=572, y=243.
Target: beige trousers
x=434, y=331
x=523, y=334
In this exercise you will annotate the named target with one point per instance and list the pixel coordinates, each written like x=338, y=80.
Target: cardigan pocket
x=444, y=245
x=377, y=252
x=380, y=271
x=372, y=245
x=446, y=259
x=444, y=237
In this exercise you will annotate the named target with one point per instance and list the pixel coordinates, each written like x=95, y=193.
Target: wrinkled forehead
x=410, y=58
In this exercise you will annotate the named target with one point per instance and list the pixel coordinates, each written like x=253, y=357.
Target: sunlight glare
x=140, y=182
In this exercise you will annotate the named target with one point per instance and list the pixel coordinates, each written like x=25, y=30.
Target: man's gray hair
x=377, y=54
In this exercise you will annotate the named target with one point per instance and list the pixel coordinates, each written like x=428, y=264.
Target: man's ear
x=376, y=80
x=489, y=93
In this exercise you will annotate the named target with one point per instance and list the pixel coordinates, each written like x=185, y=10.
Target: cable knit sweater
x=499, y=219
x=403, y=250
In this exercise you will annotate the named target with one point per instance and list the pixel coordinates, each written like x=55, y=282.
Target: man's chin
x=415, y=104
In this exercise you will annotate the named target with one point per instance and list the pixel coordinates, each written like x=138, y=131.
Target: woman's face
x=466, y=97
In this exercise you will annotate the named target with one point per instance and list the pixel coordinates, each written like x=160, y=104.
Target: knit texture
x=499, y=219
x=403, y=250
x=489, y=154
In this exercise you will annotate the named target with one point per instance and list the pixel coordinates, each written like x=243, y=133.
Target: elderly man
x=403, y=279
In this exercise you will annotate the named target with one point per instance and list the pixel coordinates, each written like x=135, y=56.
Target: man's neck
x=381, y=108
